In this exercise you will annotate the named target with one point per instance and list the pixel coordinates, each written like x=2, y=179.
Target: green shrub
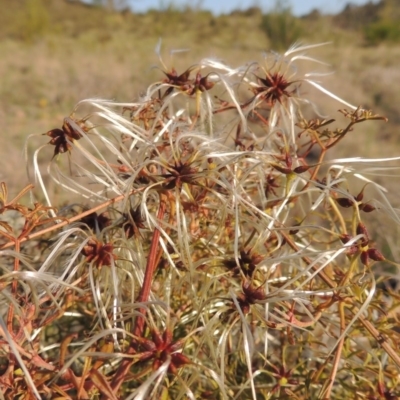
x=281, y=27
x=34, y=21
x=382, y=31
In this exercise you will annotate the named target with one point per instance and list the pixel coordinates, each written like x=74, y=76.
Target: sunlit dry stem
x=69, y=221
x=143, y=297
x=14, y=285
x=357, y=116
x=25, y=190
x=150, y=269
x=326, y=390
x=325, y=148
x=315, y=171
x=321, y=274
x=338, y=214
x=381, y=340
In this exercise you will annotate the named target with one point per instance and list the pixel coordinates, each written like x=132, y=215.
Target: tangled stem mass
x=212, y=249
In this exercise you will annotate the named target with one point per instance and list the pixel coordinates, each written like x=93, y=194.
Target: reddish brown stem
x=10, y=314
x=149, y=273
x=70, y=220
x=325, y=393
x=143, y=297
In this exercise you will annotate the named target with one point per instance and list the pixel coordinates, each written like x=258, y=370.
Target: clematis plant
x=202, y=253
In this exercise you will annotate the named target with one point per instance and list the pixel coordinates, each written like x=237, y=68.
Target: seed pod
x=288, y=160
x=301, y=169
x=352, y=250
x=367, y=208
x=360, y=196
x=364, y=257
x=345, y=238
x=245, y=306
x=180, y=360
x=295, y=229
x=344, y=202
x=376, y=255
x=203, y=83
x=252, y=292
x=284, y=170
x=362, y=230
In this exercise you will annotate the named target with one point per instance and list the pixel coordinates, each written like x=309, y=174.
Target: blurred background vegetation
x=57, y=52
